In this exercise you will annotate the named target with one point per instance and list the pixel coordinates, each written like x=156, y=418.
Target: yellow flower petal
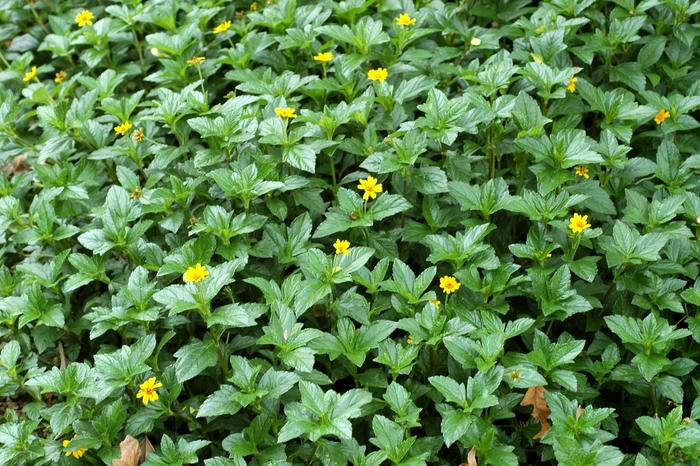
x=84, y=17
x=405, y=20
x=195, y=274
x=380, y=74
x=449, y=284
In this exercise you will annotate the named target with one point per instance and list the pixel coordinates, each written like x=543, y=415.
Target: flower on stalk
x=435, y=303
x=195, y=61
x=582, y=171
x=449, y=284
x=147, y=390
x=371, y=187
x=254, y=6
x=138, y=135
x=572, y=84
x=30, y=75
x=123, y=128
x=223, y=27
x=323, y=57
x=285, y=112
x=405, y=20
x=342, y=246
x=661, y=116
x=577, y=223
x=195, y=274
x=60, y=76
x=75, y=453
x=379, y=74
x=84, y=17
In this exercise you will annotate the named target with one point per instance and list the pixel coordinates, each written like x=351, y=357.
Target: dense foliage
x=356, y=232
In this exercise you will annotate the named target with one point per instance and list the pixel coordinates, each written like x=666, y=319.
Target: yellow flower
x=84, y=17
x=285, y=112
x=582, y=171
x=659, y=118
x=324, y=57
x=572, y=84
x=540, y=30
x=196, y=61
x=405, y=20
x=379, y=74
x=76, y=453
x=123, y=128
x=223, y=27
x=60, y=76
x=578, y=223
x=371, y=187
x=30, y=75
x=147, y=390
x=515, y=374
x=196, y=273
x=435, y=303
x=341, y=246
x=254, y=6
x=449, y=284
x=475, y=42
x=409, y=340
x=138, y=135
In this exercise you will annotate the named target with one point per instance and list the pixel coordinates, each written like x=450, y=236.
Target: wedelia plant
x=358, y=232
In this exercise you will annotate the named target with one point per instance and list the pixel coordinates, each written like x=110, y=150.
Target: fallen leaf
x=146, y=448
x=540, y=411
x=131, y=452
x=16, y=166
x=62, y=353
x=471, y=457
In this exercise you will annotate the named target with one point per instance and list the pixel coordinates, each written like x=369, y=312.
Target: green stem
x=492, y=155
x=617, y=275
x=575, y=241
x=220, y=354
x=138, y=47
x=652, y=398
x=38, y=20
x=311, y=456
x=335, y=183
x=23, y=141
x=2, y=57
x=366, y=232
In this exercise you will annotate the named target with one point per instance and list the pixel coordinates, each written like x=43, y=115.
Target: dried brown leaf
x=471, y=457
x=540, y=411
x=18, y=165
x=579, y=410
x=131, y=452
x=62, y=354
x=146, y=448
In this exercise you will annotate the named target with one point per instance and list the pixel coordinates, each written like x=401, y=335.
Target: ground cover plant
x=357, y=232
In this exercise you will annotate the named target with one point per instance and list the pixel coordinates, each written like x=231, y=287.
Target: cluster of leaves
x=223, y=228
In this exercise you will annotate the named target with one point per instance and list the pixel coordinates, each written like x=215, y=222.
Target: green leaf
x=193, y=358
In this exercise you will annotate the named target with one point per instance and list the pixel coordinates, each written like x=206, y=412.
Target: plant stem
x=652, y=397
x=612, y=284
x=335, y=183
x=138, y=48
x=220, y=354
x=311, y=456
